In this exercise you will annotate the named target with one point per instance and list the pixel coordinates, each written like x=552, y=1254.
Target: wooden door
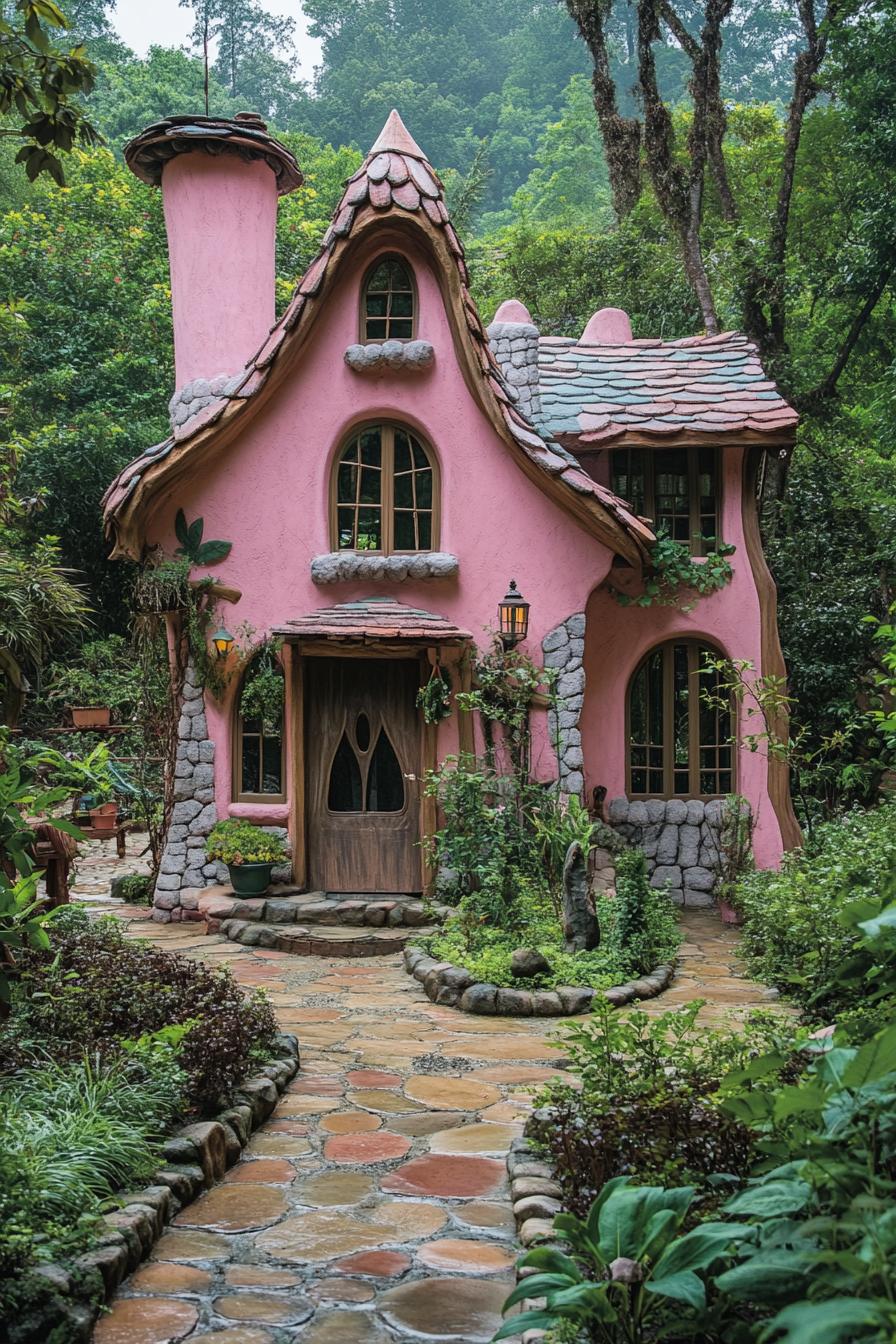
x=363, y=745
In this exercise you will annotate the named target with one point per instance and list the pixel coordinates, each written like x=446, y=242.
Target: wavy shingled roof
x=394, y=181
x=592, y=394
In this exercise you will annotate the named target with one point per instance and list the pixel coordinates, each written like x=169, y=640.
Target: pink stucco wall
x=221, y=215
x=618, y=637
x=268, y=494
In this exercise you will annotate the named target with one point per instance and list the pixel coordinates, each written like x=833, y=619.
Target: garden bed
x=66, y=1296
x=130, y=1079
x=456, y=988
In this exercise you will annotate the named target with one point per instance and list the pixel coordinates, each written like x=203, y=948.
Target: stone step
x=320, y=940
x=286, y=905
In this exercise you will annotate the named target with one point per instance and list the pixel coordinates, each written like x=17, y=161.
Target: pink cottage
x=383, y=466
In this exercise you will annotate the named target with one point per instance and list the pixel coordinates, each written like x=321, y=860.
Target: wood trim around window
x=363, y=338
x=695, y=648
x=237, y=794
x=653, y=462
x=387, y=430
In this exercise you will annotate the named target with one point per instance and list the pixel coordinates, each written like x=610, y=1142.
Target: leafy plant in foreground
x=640, y=1278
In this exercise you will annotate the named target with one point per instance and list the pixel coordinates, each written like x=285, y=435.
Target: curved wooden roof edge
x=396, y=182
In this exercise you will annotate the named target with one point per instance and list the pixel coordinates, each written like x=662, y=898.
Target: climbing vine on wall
x=674, y=573
x=505, y=681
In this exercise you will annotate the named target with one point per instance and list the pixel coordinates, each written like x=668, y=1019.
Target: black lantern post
x=513, y=617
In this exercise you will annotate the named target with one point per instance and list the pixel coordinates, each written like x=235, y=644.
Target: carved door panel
x=363, y=744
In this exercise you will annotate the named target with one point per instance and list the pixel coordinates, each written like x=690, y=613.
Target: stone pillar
x=513, y=338
x=681, y=841
x=564, y=649
x=184, y=870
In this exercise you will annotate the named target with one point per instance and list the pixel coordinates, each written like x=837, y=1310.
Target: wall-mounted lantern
x=513, y=617
x=223, y=641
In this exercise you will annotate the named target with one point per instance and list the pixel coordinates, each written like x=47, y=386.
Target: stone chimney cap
x=608, y=326
x=513, y=312
x=245, y=135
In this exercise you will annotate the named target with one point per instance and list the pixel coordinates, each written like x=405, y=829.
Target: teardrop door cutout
x=385, y=782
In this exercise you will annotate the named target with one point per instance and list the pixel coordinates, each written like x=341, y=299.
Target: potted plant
x=99, y=686
x=90, y=780
x=163, y=588
x=249, y=852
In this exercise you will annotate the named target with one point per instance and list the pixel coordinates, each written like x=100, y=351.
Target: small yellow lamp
x=513, y=617
x=223, y=641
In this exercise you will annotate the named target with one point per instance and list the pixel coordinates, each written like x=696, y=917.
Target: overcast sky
x=143, y=23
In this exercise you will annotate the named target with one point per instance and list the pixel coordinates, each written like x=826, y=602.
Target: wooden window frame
x=651, y=461
x=695, y=648
x=387, y=430
x=363, y=338
x=237, y=793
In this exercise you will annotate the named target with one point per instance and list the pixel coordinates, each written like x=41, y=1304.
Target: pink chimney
x=220, y=182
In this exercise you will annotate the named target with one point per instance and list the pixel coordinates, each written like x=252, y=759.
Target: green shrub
x=643, y=1103
x=638, y=924
x=94, y=988
x=236, y=842
x=73, y=1134
x=798, y=932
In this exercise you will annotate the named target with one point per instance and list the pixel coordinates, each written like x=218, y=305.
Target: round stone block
x=448, y=1176
x=450, y=1309
x=140, y=1320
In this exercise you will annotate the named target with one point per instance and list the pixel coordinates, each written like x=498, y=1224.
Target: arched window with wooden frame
x=384, y=494
x=388, y=301
x=258, y=758
x=679, y=743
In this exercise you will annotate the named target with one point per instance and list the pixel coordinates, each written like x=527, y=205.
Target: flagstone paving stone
x=372, y=1208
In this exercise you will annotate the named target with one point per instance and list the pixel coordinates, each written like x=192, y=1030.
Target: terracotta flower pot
x=104, y=817
x=91, y=716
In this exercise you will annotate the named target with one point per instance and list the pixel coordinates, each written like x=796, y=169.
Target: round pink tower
x=220, y=182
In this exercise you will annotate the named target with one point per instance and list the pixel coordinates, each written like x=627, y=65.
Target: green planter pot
x=250, y=879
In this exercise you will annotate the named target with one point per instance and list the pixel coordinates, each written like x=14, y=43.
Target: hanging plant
x=192, y=547
x=434, y=699
x=163, y=588
x=674, y=572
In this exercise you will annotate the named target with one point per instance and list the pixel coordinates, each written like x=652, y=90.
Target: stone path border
x=453, y=987
x=329, y=1230
x=196, y=1158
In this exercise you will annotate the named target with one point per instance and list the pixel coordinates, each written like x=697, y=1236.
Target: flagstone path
x=372, y=1207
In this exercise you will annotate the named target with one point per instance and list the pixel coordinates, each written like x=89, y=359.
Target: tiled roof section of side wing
x=594, y=394
x=396, y=177
x=374, y=618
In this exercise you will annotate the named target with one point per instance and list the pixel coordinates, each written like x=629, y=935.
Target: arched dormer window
x=388, y=301
x=678, y=745
x=384, y=495
x=258, y=740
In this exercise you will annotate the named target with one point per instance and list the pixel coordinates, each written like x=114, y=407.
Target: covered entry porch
x=359, y=746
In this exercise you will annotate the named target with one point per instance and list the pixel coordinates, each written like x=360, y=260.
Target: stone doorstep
x=287, y=905
x=320, y=940
x=195, y=1159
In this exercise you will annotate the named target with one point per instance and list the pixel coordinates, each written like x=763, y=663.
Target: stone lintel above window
x=339, y=566
x=406, y=356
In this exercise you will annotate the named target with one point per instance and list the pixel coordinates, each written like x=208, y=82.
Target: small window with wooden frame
x=258, y=757
x=679, y=743
x=677, y=487
x=384, y=494
x=388, y=301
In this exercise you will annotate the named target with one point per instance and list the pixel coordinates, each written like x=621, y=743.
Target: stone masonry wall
x=515, y=347
x=184, y=870
x=680, y=838
x=564, y=649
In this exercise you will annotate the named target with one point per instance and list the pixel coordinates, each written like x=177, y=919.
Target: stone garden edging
x=195, y=1158
x=456, y=988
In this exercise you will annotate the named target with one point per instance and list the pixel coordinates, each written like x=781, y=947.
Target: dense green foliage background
x=500, y=98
